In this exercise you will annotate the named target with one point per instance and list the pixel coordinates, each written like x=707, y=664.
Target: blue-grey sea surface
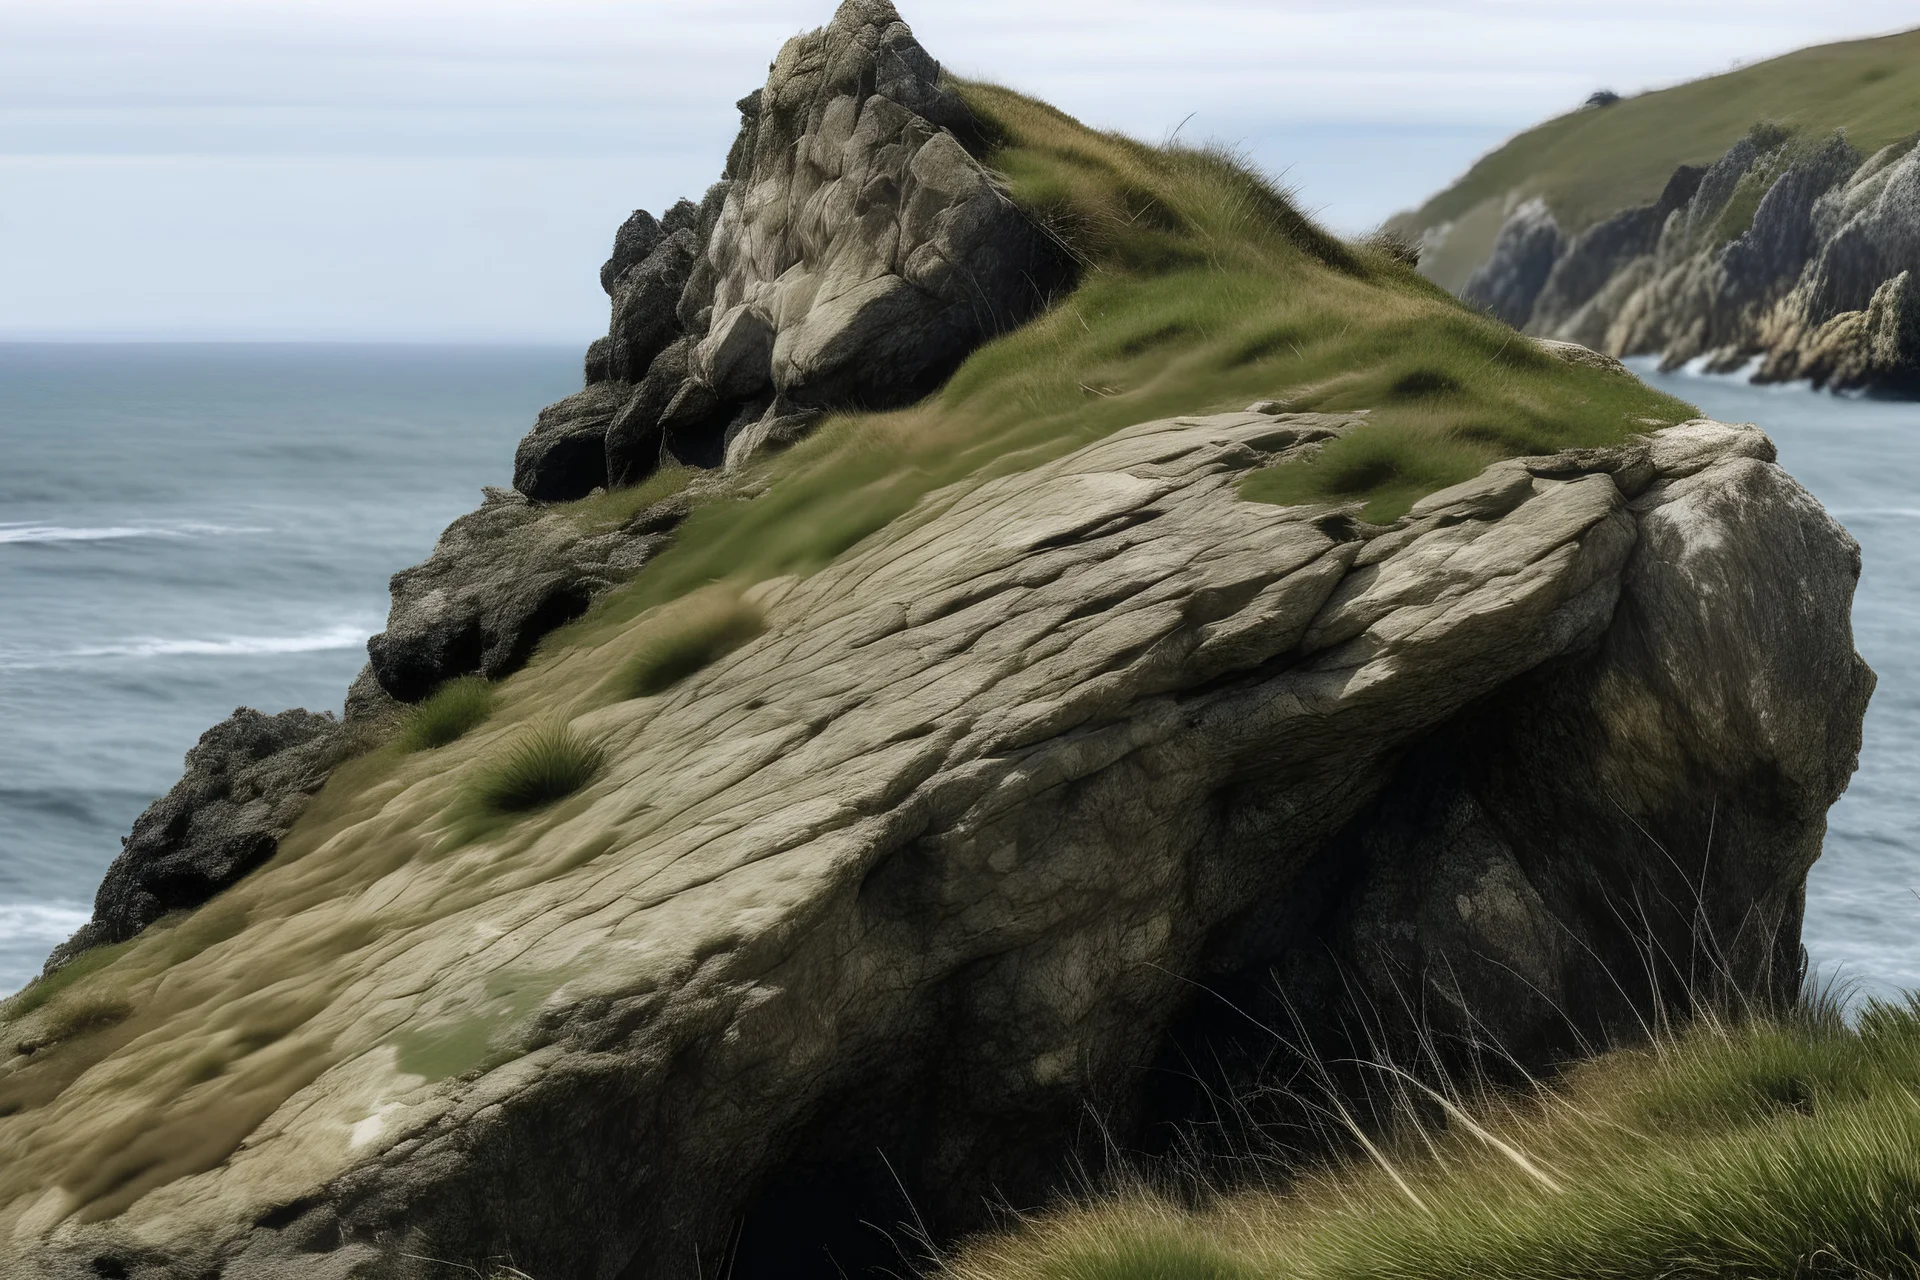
x=187, y=529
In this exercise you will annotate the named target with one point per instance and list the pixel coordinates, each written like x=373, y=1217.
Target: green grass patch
x=456, y=708
x=686, y=637
x=1590, y=164
x=546, y=764
x=1774, y=1149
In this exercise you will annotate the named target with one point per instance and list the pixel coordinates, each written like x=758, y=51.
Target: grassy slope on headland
x=1770, y=1149
x=1202, y=290
x=1592, y=163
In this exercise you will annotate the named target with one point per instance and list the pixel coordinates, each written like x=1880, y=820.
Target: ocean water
x=184, y=530
x=187, y=529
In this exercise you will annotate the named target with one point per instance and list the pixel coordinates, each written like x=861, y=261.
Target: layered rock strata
x=1791, y=256
x=891, y=899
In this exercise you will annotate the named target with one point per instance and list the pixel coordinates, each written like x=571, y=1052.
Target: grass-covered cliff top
x=1594, y=162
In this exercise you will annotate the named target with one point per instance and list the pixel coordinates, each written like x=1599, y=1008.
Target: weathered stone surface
x=861, y=252
x=853, y=255
x=246, y=781
x=499, y=579
x=911, y=884
x=565, y=455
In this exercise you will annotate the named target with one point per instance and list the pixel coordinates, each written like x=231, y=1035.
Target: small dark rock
x=644, y=303
x=599, y=357
x=635, y=239
x=247, y=780
x=564, y=457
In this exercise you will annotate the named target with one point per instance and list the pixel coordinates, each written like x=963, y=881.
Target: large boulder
x=866, y=919
x=855, y=254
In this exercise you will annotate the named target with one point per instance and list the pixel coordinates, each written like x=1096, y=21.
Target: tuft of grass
x=455, y=709
x=693, y=634
x=1787, y=1147
x=548, y=763
x=43, y=991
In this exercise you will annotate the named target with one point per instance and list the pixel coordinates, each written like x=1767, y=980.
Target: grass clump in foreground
x=699, y=631
x=456, y=708
x=1773, y=1149
x=548, y=763
x=1201, y=289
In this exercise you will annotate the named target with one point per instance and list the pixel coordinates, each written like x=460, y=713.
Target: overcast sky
x=454, y=169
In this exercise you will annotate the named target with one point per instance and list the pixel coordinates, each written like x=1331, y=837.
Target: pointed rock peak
x=866, y=50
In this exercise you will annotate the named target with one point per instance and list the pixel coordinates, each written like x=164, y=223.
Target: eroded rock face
x=912, y=883
x=246, y=781
x=853, y=255
x=1781, y=253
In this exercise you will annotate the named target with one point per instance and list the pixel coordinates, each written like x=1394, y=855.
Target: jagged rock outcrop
x=890, y=899
x=853, y=254
x=246, y=782
x=1786, y=252
x=501, y=578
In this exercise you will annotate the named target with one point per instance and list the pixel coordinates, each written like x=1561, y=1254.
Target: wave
x=346, y=636
x=1856, y=513
x=342, y=637
x=22, y=531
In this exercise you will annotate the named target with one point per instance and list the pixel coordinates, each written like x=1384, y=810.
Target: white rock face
x=946, y=855
x=861, y=251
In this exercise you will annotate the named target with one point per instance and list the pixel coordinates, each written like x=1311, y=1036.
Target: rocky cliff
x=1790, y=255
x=738, y=924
